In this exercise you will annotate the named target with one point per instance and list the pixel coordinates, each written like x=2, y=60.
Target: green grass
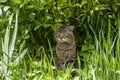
x=101, y=56
x=99, y=64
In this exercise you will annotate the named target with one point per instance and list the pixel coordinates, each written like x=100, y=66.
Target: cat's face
x=64, y=34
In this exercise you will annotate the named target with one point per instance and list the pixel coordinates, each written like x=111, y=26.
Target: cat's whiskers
x=62, y=40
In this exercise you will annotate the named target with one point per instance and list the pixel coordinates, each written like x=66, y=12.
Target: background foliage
x=38, y=19
x=97, y=28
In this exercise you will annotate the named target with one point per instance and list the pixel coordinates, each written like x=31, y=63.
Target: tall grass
x=102, y=63
x=101, y=57
x=5, y=48
x=8, y=48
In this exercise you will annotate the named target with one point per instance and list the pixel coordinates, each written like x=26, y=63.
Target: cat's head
x=64, y=34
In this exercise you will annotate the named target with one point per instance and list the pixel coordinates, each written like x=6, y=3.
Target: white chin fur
x=62, y=40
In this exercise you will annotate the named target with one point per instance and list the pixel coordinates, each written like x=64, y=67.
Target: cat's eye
x=57, y=34
x=68, y=35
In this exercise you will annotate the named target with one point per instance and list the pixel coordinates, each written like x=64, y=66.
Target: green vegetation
x=26, y=31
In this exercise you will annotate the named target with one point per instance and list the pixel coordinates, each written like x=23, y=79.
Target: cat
x=65, y=46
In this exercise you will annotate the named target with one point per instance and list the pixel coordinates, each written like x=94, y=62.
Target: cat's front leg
x=60, y=64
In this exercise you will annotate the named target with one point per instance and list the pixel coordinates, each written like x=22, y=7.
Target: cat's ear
x=71, y=28
x=57, y=29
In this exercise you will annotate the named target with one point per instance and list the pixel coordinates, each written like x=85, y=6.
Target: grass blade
x=11, y=48
x=5, y=45
x=19, y=58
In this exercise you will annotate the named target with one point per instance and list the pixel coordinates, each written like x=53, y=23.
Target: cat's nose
x=61, y=36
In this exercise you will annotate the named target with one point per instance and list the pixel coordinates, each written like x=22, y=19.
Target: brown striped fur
x=65, y=47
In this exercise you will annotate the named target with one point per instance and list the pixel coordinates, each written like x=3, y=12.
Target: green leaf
x=19, y=58
x=78, y=5
x=58, y=20
x=102, y=7
x=68, y=12
x=87, y=47
x=114, y=6
x=17, y=1
x=32, y=16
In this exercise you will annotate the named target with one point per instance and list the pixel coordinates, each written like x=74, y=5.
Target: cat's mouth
x=62, y=40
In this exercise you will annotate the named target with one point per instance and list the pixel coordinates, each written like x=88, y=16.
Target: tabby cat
x=65, y=47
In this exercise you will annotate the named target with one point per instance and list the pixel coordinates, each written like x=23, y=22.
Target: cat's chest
x=63, y=47
x=64, y=51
